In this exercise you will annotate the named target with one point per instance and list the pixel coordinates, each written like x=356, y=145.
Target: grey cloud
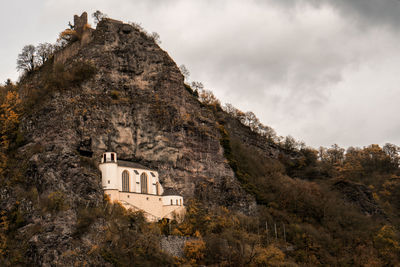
x=369, y=12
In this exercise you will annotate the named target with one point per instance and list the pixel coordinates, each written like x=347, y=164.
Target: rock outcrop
x=359, y=195
x=136, y=105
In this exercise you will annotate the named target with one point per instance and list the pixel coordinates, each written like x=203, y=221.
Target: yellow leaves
x=106, y=198
x=185, y=229
x=194, y=250
x=207, y=218
x=4, y=224
x=10, y=111
x=208, y=98
x=177, y=232
x=387, y=242
x=387, y=237
x=11, y=105
x=69, y=35
x=197, y=233
x=269, y=256
x=87, y=26
x=67, y=32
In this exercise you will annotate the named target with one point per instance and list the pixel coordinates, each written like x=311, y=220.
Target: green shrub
x=54, y=202
x=85, y=218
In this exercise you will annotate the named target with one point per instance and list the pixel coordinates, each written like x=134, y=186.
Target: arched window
x=125, y=181
x=157, y=188
x=143, y=183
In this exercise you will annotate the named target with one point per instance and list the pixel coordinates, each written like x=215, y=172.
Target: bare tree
x=44, y=52
x=252, y=121
x=60, y=44
x=268, y=132
x=197, y=86
x=156, y=37
x=26, y=60
x=137, y=25
x=230, y=109
x=98, y=16
x=335, y=154
x=392, y=151
x=185, y=72
x=289, y=143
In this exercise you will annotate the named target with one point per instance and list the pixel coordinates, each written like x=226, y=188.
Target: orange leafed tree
x=10, y=111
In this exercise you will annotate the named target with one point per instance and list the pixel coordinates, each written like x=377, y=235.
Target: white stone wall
x=151, y=204
x=112, y=176
x=134, y=180
x=110, y=157
x=109, y=175
x=156, y=206
x=175, y=200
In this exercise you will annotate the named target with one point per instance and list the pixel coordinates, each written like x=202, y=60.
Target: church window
x=112, y=156
x=104, y=158
x=143, y=183
x=125, y=181
x=157, y=189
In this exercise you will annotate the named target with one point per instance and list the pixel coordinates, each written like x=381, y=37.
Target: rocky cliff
x=137, y=105
x=113, y=88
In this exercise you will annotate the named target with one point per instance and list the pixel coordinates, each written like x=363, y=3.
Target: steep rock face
x=138, y=105
x=241, y=132
x=359, y=195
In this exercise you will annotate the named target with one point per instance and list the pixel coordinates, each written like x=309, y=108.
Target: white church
x=138, y=188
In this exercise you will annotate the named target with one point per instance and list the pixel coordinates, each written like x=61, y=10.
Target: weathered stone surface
x=80, y=22
x=358, y=194
x=174, y=245
x=136, y=104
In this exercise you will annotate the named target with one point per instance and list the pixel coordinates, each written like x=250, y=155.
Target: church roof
x=170, y=192
x=124, y=163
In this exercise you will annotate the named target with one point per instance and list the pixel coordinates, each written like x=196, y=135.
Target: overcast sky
x=321, y=71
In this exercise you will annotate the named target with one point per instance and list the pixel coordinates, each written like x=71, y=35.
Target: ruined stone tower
x=80, y=22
